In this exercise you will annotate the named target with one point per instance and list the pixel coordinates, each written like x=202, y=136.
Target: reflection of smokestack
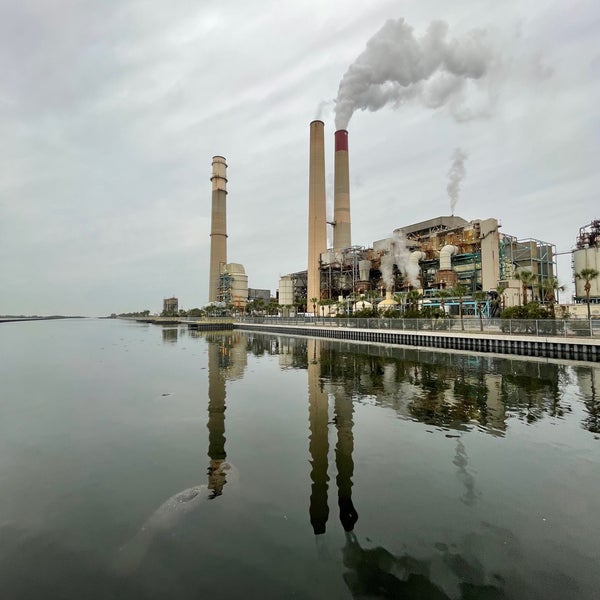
x=317, y=229
x=341, y=194
x=216, y=421
x=318, y=416
x=344, y=411
x=218, y=226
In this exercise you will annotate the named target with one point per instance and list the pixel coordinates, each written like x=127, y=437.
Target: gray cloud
x=110, y=114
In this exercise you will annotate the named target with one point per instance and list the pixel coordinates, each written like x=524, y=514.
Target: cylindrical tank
x=587, y=258
x=364, y=269
x=286, y=290
x=239, y=285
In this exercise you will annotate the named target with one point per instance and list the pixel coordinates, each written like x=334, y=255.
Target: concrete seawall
x=583, y=349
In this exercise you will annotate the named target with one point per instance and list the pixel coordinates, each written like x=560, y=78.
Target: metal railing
x=534, y=327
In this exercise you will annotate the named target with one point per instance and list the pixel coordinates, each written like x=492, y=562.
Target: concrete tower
x=341, y=193
x=218, y=225
x=317, y=227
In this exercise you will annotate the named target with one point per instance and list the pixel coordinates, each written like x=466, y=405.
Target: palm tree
x=527, y=279
x=314, y=301
x=548, y=287
x=588, y=275
x=459, y=291
x=442, y=295
x=413, y=298
x=480, y=298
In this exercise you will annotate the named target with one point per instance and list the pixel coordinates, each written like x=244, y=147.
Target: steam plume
x=455, y=176
x=400, y=256
x=396, y=67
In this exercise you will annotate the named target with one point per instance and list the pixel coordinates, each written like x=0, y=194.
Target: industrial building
x=586, y=255
x=228, y=282
x=428, y=256
x=170, y=306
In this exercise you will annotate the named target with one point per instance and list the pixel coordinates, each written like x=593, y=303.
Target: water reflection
x=226, y=360
x=376, y=572
x=170, y=334
x=453, y=392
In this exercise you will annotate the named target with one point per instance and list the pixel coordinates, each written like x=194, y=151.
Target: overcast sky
x=110, y=113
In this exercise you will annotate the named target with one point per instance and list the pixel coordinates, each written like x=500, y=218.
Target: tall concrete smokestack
x=317, y=227
x=341, y=193
x=218, y=225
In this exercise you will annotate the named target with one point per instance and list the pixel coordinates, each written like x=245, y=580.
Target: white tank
x=587, y=258
x=364, y=269
x=239, y=285
x=286, y=290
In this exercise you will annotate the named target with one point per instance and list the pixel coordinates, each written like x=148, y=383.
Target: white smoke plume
x=408, y=268
x=396, y=67
x=455, y=176
x=387, y=271
x=400, y=256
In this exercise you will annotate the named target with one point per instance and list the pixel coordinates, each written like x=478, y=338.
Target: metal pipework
x=218, y=225
x=341, y=194
x=317, y=228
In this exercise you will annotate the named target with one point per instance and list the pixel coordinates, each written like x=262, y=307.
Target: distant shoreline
x=9, y=319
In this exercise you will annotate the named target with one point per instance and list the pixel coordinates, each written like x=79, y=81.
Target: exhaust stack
x=218, y=225
x=317, y=228
x=341, y=194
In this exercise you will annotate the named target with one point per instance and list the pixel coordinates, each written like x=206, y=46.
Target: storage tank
x=239, y=284
x=286, y=290
x=587, y=258
x=364, y=270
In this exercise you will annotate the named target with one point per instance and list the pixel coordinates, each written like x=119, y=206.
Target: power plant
x=443, y=253
x=437, y=254
x=228, y=282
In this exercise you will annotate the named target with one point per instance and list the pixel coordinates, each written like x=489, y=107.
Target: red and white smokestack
x=317, y=217
x=341, y=193
x=218, y=226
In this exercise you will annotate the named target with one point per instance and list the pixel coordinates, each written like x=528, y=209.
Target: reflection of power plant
x=225, y=361
x=319, y=448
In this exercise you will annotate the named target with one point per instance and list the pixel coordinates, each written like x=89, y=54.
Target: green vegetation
x=588, y=275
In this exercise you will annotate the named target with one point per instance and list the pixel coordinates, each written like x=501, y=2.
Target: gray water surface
x=146, y=462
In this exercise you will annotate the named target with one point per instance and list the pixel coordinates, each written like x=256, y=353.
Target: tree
x=480, y=298
x=588, y=275
x=547, y=288
x=314, y=302
x=460, y=291
x=527, y=279
x=412, y=302
x=442, y=295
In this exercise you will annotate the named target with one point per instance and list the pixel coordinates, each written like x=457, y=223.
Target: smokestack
x=317, y=227
x=218, y=225
x=341, y=194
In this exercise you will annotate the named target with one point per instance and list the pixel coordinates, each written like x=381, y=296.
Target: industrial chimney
x=317, y=227
x=341, y=193
x=218, y=225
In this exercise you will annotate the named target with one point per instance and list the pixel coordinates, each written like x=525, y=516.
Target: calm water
x=140, y=462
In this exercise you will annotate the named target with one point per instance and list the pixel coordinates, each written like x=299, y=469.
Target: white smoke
x=321, y=108
x=455, y=176
x=400, y=256
x=387, y=271
x=396, y=67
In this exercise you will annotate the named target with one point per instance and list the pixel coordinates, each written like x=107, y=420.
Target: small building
x=170, y=306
